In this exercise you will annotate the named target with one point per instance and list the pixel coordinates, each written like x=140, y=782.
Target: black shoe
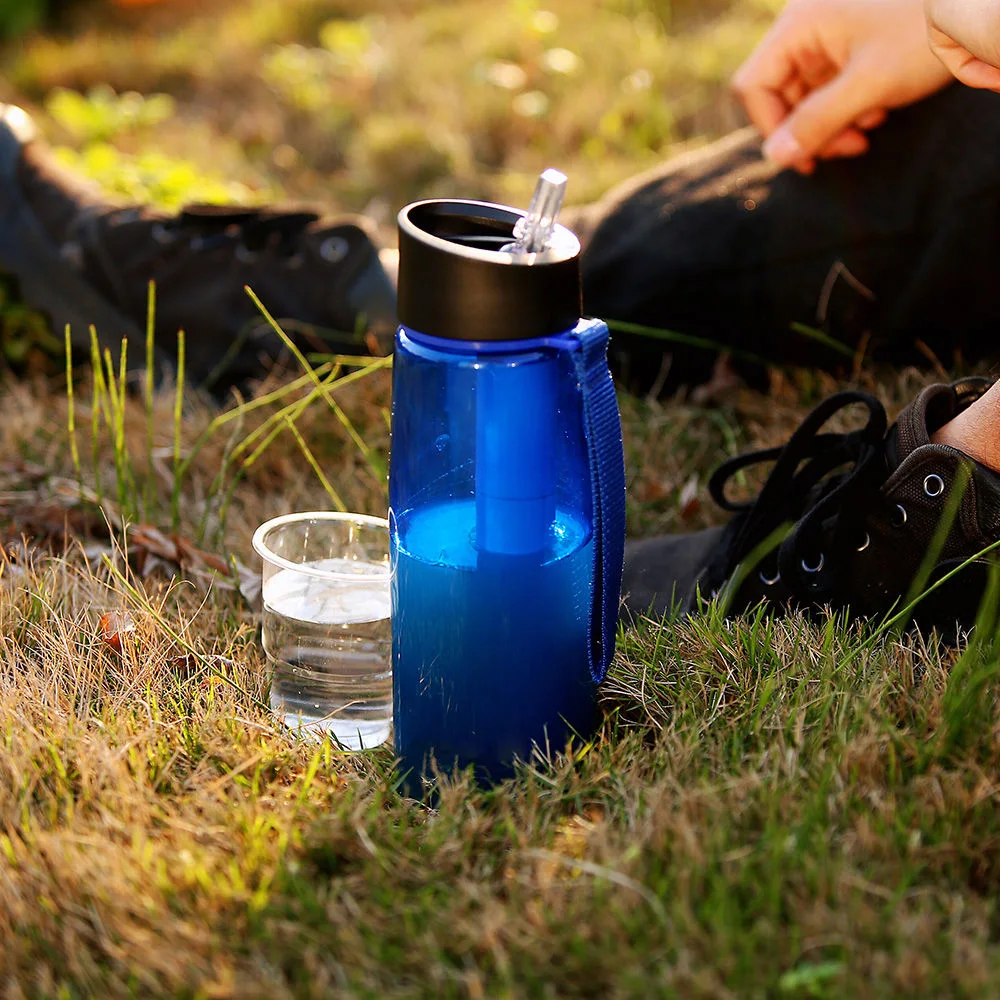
x=82, y=261
x=843, y=521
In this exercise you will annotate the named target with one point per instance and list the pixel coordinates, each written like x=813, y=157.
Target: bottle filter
x=506, y=489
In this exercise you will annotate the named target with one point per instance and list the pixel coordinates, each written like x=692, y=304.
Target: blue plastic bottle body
x=492, y=553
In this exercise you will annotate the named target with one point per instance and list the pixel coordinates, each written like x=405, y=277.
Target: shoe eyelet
x=899, y=517
x=864, y=545
x=934, y=485
x=806, y=568
x=334, y=249
x=244, y=254
x=161, y=234
x=770, y=581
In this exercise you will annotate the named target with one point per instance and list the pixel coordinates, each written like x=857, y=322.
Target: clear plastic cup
x=326, y=626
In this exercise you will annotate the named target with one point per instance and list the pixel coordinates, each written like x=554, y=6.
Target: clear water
x=329, y=649
x=489, y=651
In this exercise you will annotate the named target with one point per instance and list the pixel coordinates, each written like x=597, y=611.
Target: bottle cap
x=458, y=280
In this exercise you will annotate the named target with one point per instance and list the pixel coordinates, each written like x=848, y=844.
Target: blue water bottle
x=506, y=489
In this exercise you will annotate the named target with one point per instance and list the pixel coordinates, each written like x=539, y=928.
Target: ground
x=770, y=808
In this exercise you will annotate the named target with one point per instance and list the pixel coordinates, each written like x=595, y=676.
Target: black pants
x=897, y=252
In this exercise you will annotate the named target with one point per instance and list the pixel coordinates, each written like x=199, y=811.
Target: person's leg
x=896, y=251
x=81, y=260
x=976, y=431
x=859, y=521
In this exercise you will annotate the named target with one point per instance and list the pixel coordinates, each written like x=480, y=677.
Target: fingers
x=825, y=115
x=770, y=110
x=767, y=83
x=962, y=64
x=805, y=106
x=850, y=142
x=853, y=141
x=794, y=91
x=767, y=109
x=976, y=73
x=872, y=119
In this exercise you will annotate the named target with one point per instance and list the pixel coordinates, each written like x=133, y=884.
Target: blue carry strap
x=603, y=429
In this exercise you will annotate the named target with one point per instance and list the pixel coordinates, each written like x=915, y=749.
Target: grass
x=357, y=104
x=771, y=808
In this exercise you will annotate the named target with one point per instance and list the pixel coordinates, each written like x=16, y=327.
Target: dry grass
x=139, y=783
x=771, y=808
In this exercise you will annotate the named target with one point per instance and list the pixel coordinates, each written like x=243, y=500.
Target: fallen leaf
x=150, y=548
x=189, y=555
x=113, y=625
x=144, y=538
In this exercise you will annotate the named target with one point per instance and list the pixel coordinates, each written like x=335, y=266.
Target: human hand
x=965, y=36
x=828, y=71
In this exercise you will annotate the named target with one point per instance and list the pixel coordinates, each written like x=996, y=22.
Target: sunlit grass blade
x=71, y=411
x=966, y=707
x=897, y=615
x=149, y=393
x=116, y=399
x=98, y=403
x=314, y=465
x=330, y=377
x=240, y=412
x=269, y=428
x=175, y=496
x=375, y=463
x=273, y=424
x=245, y=467
x=345, y=360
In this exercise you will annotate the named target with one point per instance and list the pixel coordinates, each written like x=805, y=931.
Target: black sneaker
x=82, y=261
x=843, y=521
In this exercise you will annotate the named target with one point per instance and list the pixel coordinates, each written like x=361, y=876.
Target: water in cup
x=329, y=646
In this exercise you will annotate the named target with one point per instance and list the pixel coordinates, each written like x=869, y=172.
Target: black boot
x=83, y=261
x=843, y=521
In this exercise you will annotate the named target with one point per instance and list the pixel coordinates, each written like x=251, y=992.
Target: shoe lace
x=802, y=490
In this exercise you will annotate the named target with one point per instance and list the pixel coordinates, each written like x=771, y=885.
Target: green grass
x=771, y=808
x=351, y=103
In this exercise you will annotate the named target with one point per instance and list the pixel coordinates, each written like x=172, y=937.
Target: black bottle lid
x=456, y=281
